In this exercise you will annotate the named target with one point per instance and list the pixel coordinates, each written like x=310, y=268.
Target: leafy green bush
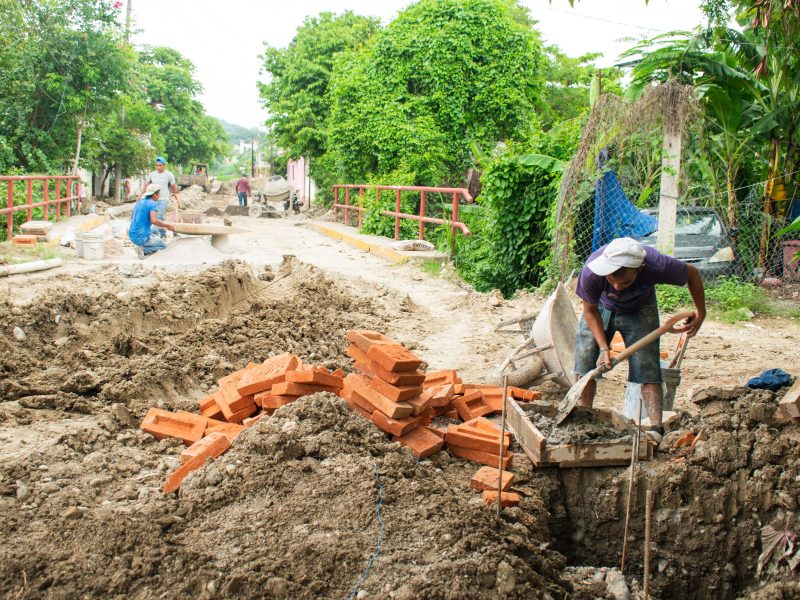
x=729, y=299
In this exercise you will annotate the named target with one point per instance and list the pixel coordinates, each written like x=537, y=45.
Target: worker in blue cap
x=166, y=183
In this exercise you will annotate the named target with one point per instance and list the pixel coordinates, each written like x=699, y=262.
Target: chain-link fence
x=611, y=189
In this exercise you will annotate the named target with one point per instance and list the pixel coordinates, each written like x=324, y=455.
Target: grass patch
x=14, y=255
x=432, y=267
x=728, y=299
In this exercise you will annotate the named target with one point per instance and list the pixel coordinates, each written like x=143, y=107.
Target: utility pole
x=252, y=159
x=118, y=168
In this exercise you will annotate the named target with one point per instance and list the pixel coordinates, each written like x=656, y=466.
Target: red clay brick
x=230, y=401
x=288, y=388
x=270, y=401
x=441, y=395
x=364, y=338
x=437, y=431
x=250, y=421
x=483, y=458
x=507, y=499
x=398, y=427
x=452, y=414
x=471, y=405
x=315, y=376
x=481, y=426
x=426, y=416
x=438, y=411
x=486, y=479
x=183, y=425
x=242, y=414
x=418, y=405
x=459, y=389
x=259, y=378
x=211, y=445
x=395, y=410
x=685, y=440
x=209, y=407
x=229, y=429
x=214, y=449
x=355, y=407
x=421, y=441
x=393, y=392
x=410, y=378
x=437, y=378
x=338, y=373
x=484, y=443
x=358, y=355
x=22, y=239
x=522, y=394
x=393, y=358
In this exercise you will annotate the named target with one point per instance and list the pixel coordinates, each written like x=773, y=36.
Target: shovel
x=566, y=406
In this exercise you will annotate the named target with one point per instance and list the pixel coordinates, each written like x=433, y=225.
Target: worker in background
x=166, y=183
x=242, y=189
x=617, y=287
x=144, y=219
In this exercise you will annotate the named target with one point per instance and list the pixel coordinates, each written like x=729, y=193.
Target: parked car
x=702, y=240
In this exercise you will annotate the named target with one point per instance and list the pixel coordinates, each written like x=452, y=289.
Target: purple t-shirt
x=658, y=268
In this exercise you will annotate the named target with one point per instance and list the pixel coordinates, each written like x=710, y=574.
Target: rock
x=616, y=586
x=211, y=587
x=62, y=341
x=289, y=426
x=363, y=593
x=770, y=282
x=23, y=492
x=506, y=579
x=122, y=415
x=72, y=513
x=19, y=335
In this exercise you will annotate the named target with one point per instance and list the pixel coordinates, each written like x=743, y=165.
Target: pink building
x=297, y=176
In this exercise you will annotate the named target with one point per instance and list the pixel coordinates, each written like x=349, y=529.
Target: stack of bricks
x=487, y=479
x=244, y=398
x=389, y=391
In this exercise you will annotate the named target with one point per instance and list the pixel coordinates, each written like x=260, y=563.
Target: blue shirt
x=139, y=231
x=657, y=268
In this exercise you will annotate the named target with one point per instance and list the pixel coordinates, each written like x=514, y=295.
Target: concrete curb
x=373, y=244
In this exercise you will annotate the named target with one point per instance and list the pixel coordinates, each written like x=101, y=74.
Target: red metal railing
x=398, y=189
x=63, y=183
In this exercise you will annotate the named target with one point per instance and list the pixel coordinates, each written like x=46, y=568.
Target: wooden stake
x=502, y=439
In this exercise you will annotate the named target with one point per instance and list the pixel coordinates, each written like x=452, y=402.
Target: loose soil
x=290, y=510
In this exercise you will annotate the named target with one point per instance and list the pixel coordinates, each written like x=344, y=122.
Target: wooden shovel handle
x=667, y=327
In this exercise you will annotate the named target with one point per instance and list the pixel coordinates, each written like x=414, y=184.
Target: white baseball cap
x=152, y=189
x=622, y=252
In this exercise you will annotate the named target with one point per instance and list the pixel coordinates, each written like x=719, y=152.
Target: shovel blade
x=566, y=406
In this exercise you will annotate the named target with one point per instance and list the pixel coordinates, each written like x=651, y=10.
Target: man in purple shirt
x=242, y=190
x=617, y=287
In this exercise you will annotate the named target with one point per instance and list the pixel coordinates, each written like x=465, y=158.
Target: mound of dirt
x=192, y=196
x=187, y=251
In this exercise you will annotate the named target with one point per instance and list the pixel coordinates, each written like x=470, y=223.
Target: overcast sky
x=224, y=39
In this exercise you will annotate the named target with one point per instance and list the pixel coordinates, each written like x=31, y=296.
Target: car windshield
x=696, y=223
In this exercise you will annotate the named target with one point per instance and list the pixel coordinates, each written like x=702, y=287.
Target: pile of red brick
x=390, y=390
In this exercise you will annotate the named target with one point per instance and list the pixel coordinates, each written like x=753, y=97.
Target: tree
x=299, y=75
x=169, y=86
x=443, y=74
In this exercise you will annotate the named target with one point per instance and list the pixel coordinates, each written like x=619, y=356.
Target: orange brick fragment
x=790, y=403
x=440, y=395
x=451, y=414
x=183, y=425
x=364, y=338
x=685, y=440
x=522, y=394
x=418, y=405
x=288, y=388
x=475, y=440
x=358, y=355
x=211, y=445
x=487, y=477
x=258, y=378
x=436, y=378
x=438, y=432
x=229, y=429
x=421, y=441
x=393, y=392
x=250, y=421
x=483, y=458
x=174, y=480
x=471, y=405
x=507, y=499
x=272, y=401
x=209, y=407
x=393, y=357
x=234, y=406
x=397, y=427
x=315, y=376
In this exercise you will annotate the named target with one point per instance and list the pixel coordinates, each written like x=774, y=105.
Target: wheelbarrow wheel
x=254, y=211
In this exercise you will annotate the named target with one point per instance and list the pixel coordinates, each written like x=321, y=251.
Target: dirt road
x=290, y=511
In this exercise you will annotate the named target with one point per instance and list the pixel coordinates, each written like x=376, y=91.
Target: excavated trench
x=290, y=511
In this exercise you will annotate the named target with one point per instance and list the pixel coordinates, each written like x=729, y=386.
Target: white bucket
x=633, y=394
x=93, y=249
x=79, y=245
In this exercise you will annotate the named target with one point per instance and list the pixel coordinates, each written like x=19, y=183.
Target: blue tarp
x=615, y=216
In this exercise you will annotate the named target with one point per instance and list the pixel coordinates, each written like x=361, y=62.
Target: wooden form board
x=603, y=454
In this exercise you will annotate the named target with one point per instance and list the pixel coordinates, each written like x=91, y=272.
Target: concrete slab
x=78, y=223
x=374, y=244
